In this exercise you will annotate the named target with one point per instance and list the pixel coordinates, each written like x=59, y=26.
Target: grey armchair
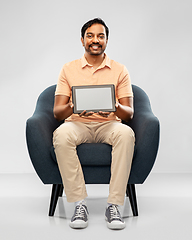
x=95, y=158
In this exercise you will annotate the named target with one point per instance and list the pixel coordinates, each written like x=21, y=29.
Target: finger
x=101, y=113
x=83, y=113
x=89, y=113
x=104, y=113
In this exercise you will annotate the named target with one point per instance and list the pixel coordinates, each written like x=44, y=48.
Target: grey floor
x=164, y=200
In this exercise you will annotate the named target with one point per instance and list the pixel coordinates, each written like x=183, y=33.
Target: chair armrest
x=146, y=127
x=39, y=130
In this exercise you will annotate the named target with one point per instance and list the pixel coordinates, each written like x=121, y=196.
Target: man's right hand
x=85, y=114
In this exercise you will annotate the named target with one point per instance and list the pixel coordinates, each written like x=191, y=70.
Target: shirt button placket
x=94, y=78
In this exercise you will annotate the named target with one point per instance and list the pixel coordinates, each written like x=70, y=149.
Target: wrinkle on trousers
x=71, y=134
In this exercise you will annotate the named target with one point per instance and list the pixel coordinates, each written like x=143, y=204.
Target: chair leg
x=57, y=191
x=61, y=191
x=131, y=193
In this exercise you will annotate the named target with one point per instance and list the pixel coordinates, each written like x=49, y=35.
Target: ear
x=82, y=40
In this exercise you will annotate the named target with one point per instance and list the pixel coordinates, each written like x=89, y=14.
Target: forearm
x=124, y=112
x=62, y=112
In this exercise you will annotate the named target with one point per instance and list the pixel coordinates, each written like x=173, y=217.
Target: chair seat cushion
x=92, y=154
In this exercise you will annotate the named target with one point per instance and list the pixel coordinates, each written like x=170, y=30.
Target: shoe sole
x=115, y=225
x=78, y=224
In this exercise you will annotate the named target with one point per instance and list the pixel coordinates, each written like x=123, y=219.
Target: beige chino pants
x=70, y=134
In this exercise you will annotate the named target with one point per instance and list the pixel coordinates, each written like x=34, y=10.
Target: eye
x=101, y=36
x=89, y=36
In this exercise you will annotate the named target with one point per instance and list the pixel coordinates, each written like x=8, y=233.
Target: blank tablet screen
x=94, y=98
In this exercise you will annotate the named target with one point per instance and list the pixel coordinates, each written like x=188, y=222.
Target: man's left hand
x=104, y=114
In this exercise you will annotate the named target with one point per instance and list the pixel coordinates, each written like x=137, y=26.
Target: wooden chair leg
x=131, y=193
x=57, y=191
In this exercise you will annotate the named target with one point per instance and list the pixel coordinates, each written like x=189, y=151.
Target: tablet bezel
x=74, y=100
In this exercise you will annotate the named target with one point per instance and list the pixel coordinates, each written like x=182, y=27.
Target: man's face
x=95, y=40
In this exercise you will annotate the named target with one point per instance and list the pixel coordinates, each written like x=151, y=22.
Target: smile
x=95, y=47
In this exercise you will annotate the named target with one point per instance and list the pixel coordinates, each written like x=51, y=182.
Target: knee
x=125, y=132
x=62, y=135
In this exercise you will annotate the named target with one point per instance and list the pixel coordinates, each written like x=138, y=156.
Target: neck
x=95, y=60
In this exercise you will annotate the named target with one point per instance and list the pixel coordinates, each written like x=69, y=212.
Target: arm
x=124, y=109
x=62, y=107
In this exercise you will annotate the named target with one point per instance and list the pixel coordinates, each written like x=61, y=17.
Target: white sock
x=82, y=201
x=109, y=204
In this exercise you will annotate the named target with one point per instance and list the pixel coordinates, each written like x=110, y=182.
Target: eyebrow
x=98, y=34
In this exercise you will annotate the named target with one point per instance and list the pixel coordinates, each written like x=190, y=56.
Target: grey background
x=152, y=38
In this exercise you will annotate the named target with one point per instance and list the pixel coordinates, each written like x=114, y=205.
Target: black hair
x=90, y=23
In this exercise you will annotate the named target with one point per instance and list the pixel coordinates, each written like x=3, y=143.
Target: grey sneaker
x=80, y=217
x=113, y=218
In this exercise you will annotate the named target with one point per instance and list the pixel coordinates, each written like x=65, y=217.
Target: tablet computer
x=94, y=98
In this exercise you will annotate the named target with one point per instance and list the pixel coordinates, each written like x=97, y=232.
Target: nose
x=95, y=39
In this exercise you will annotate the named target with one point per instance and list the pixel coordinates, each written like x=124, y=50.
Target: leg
x=122, y=139
x=65, y=140
x=56, y=191
x=132, y=198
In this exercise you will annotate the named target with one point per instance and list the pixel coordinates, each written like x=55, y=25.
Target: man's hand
x=104, y=114
x=85, y=114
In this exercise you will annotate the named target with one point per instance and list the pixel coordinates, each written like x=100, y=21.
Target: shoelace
x=114, y=212
x=80, y=211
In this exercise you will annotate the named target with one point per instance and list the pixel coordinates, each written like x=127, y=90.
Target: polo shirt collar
x=106, y=62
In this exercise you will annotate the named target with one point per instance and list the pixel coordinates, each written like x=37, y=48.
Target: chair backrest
x=45, y=100
x=141, y=100
x=45, y=103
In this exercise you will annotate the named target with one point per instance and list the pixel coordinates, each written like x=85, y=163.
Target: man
x=94, y=68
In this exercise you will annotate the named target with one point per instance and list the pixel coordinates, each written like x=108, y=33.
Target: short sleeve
x=124, y=88
x=63, y=87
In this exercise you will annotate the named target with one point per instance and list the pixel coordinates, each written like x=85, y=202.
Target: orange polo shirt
x=80, y=72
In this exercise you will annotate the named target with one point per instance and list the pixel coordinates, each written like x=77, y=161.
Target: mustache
x=93, y=44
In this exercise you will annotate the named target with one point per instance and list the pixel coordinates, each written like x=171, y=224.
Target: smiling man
x=95, y=41
x=94, y=68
